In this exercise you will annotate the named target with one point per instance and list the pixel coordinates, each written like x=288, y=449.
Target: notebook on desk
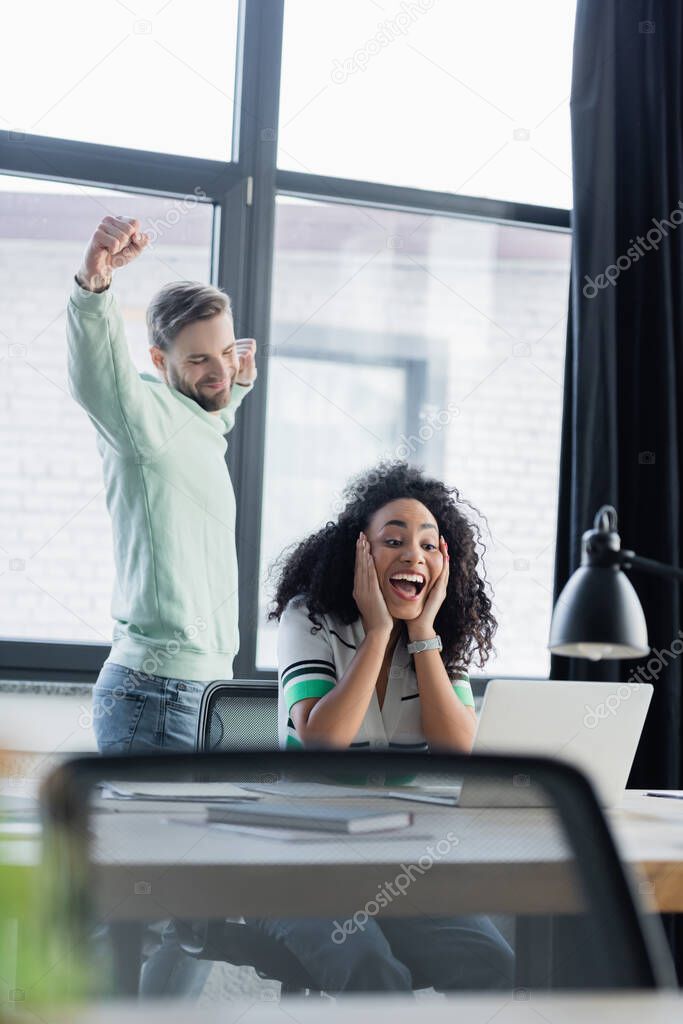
x=311, y=815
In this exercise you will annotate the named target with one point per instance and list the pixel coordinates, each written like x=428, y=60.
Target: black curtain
x=622, y=432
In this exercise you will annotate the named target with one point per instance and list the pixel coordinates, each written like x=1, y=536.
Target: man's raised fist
x=116, y=242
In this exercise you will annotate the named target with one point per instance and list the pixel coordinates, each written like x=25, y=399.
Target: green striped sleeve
x=463, y=690
x=306, y=688
x=307, y=679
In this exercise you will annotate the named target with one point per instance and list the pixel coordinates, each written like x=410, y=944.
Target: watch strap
x=433, y=644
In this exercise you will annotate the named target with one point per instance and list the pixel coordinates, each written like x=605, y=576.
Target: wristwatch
x=434, y=644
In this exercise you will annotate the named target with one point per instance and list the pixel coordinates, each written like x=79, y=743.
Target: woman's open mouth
x=407, y=585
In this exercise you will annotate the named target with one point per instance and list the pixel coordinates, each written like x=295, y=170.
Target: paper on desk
x=176, y=791
x=447, y=795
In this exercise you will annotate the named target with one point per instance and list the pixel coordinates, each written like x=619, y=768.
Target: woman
x=398, y=567
x=381, y=613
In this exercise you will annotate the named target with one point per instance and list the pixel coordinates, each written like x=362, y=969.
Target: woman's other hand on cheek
x=422, y=627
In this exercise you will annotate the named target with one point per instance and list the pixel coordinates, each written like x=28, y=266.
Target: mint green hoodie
x=170, y=499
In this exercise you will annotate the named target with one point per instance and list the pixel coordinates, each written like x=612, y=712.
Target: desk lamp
x=598, y=614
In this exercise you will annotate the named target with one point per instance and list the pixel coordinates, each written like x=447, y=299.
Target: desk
x=655, y=1008
x=649, y=836
x=505, y=861
x=146, y=868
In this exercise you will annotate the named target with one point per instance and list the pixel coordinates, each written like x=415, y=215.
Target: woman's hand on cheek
x=367, y=592
x=424, y=623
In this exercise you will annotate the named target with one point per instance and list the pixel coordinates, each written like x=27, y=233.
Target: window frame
x=243, y=192
x=414, y=370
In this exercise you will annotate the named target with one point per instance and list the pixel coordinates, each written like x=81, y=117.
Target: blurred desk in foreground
x=656, y=1008
x=507, y=861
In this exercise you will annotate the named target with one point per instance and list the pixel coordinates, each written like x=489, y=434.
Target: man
x=172, y=506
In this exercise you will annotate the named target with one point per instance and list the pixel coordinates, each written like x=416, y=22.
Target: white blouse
x=311, y=663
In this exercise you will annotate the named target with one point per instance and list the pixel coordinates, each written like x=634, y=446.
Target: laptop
x=594, y=726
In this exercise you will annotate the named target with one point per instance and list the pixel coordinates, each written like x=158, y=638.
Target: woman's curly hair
x=321, y=567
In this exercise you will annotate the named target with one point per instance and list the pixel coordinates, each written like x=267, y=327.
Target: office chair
x=238, y=714
x=238, y=944
x=569, y=860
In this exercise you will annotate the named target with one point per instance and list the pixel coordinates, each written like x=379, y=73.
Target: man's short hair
x=181, y=303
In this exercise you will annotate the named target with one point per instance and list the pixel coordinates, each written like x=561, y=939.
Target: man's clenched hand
x=116, y=242
x=246, y=350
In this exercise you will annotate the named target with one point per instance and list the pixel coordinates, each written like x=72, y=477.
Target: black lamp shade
x=598, y=615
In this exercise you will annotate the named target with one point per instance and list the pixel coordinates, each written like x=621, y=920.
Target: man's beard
x=210, y=401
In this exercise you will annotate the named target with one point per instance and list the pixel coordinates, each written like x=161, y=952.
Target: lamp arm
x=630, y=560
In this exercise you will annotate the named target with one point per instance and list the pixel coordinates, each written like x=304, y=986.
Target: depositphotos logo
x=637, y=248
x=391, y=890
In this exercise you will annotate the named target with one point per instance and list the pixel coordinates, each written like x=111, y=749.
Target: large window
x=459, y=97
x=56, y=538
x=148, y=75
x=438, y=340
x=384, y=190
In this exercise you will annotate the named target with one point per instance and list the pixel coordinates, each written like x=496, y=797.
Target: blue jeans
x=396, y=954
x=135, y=712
